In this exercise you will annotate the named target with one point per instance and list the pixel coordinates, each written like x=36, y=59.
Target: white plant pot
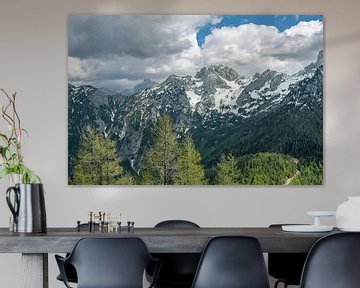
x=348, y=215
x=14, y=179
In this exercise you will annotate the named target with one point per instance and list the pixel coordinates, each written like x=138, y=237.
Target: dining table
x=35, y=247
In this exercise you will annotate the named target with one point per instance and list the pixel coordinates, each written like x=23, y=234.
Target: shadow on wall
x=343, y=39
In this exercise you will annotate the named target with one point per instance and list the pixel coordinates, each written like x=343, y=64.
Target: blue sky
x=282, y=22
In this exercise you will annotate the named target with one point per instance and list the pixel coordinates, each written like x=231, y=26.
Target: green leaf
x=4, y=137
x=33, y=178
x=4, y=173
x=27, y=133
x=3, y=151
x=27, y=175
x=13, y=156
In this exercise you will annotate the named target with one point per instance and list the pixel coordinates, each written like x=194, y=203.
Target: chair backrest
x=110, y=262
x=178, y=269
x=333, y=262
x=232, y=262
x=176, y=224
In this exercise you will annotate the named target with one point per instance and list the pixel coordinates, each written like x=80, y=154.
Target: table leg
x=35, y=270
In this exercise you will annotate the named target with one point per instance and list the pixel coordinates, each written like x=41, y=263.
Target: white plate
x=321, y=213
x=306, y=228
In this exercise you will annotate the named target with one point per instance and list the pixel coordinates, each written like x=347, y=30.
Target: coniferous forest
x=170, y=160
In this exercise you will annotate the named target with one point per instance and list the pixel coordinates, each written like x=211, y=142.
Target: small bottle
x=78, y=226
x=90, y=223
x=100, y=221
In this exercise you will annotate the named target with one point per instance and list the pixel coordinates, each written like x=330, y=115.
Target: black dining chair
x=333, y=262
x=178, y=269
x=285, y=267
x=108, y=263
x=70, y=271
x=232, y=262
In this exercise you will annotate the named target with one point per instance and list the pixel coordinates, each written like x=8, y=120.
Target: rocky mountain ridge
x=216, y=98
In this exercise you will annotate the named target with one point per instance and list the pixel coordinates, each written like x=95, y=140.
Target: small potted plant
x=25, y=197
x=11, y=159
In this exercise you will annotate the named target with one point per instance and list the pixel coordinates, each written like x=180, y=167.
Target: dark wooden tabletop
x=158, y=240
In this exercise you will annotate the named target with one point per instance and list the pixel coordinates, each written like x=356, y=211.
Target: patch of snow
x=265, y=87
x=198, y=83
x=255, y=95
x=225, y=98
x=193, y=98
x=253, y=107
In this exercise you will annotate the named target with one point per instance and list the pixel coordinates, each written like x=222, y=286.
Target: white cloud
x=123, y=50
x=309, y=29
x=132, y=47
x=254, y=48
x=137, y=36
x=79, y=70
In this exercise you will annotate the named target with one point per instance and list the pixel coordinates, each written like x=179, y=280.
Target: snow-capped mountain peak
x=312, y=67
x=215, y=94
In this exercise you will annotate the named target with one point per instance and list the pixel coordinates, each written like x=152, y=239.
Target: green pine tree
x=146, y=177
x=189, y=169
x=97, y=162
x=160, y=159
x=227, y=171
x=266, y=168
x=311, y=173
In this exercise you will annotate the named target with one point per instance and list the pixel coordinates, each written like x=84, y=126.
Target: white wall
x=33, y=62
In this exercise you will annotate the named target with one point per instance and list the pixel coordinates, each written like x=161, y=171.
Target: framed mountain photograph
x=195, y=100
